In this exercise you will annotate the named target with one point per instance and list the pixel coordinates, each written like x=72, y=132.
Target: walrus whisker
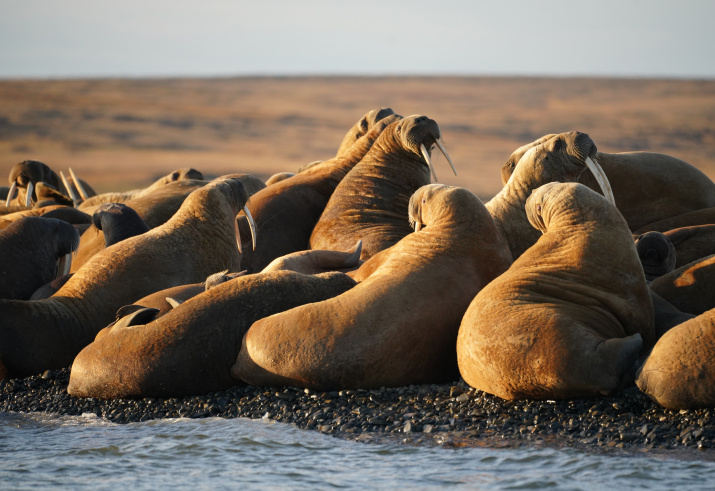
x=28, y=196
x=78, y=185
x=69, y=189
x=425, y=154
x=252, y=225
x=10, y=193
x=602, y=179
x=440, y=145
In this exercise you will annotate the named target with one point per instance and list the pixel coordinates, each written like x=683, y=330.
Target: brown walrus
x=692, y=243
x=562, y=158
x=647, y=186
x=198, y=241
x=570, y=316
x=34, y=251
x=25, y=175
x=370, y=203
x=689, y=288
x=286, y=212
x=680, y=373
x=398, y=326
x=190, y=350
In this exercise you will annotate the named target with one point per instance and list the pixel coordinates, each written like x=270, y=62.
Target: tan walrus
x=196, y=242
x=370, y=203
x=680, y=373
x=398, y=326
x=570, y=316
x=190, y=350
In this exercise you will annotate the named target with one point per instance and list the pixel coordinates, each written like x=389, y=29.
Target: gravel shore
x=446, y=415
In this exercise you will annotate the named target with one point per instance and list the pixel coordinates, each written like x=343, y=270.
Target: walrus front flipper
x=621, y=354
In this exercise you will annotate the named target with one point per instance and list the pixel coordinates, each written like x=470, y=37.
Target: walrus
x=679, y=373
x=155, y=209
x=689, y=288
x=370, y=203
x=656, y=253
x=318, y=261
x=25, y=175
x=34, y=251
x=571, y=315
x=190, y=350
x=61, y=212
x=398, y=325
x=196, y=242
x=703, y=216
x=564, y=159
x=186, y=173
x=666, y=186
x=287, y=211
x=692, y=243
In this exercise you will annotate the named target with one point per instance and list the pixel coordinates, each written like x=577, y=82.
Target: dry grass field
x=123, y=133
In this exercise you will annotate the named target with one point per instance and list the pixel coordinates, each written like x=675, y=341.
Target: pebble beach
x=452, y=415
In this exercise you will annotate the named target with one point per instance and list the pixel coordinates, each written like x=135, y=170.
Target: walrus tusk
x=355, y=256
x=64, y=264
x=238, y=235
x=69, y=189
x=10, y=193
x=429, y=162
x=252, y=225
x=173, y=302
x=602, y=179
x=446, y=155
x=28, y=196
x=78, y=185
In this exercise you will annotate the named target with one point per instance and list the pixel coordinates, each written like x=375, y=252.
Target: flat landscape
x=119, y=134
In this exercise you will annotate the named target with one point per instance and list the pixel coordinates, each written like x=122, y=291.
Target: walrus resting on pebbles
x=370, y=203
x=190, y=350
x=680, y=371
x=398, y=326
x=569, y=318
x=199, y=240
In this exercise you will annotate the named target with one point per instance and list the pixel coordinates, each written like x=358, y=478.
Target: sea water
x=39, y=451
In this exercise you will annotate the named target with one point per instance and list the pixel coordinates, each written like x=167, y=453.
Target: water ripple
x=41, y=450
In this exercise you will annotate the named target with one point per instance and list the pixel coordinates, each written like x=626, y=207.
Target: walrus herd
x=588, y=273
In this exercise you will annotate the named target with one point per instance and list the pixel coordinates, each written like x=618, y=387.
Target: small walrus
x=398, y=326
x=570, y=316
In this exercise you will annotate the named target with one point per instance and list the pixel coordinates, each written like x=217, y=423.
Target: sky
x=166, y=38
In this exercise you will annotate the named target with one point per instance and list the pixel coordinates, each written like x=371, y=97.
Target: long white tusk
x=64, y=264
x=602, y=179
x=355, y=256
x=429, y=162
x=78, y=185
x=10, y=193
x=446, y=155
x=418, y=225
x=238, y=235
x=69, y=189
x=28, y=196
x=252, y=225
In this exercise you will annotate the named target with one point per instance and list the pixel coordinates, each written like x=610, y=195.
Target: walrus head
x=657, y=254
x=420, y=134
x=360, y=129
x=564, y=157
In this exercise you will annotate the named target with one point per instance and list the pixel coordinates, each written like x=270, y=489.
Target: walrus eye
x=424, y=201
x=538, y=209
